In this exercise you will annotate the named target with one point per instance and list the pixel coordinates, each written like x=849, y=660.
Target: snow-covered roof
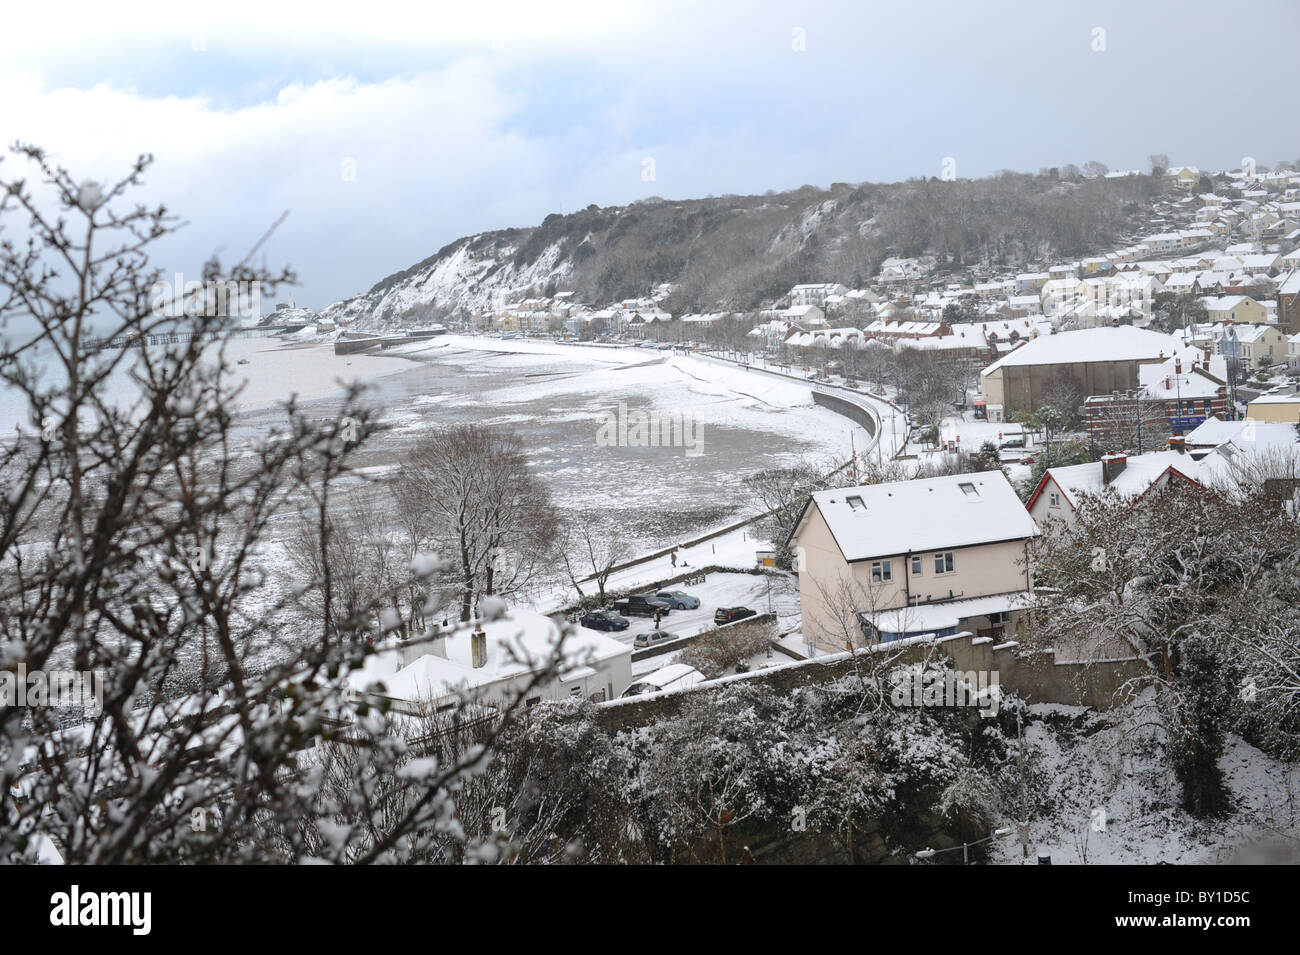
x=946, y=614
x=1122, y=343
x=1139, y=473
x=962, y=510
x=517, y=643
x=1288, y=398
x=1177, y=377
x=1248, y=333
x=1212, y=432
x=1224, y=303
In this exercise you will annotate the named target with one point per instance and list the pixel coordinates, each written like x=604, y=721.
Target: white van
x=675, y=676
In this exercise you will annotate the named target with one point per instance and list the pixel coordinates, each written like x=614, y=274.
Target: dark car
x=679, y=599
x=642, y=605
x=603, y=620
x=732, y=614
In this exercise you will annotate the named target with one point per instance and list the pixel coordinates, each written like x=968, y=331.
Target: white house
x=493, y=661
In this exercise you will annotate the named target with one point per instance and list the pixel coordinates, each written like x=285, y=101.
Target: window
x=916, y=565
x=855, y=504
x=968, y=489
x=882, y=571
x=1053, y=500
x=943, y=563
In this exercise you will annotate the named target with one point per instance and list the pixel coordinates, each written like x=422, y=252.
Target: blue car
x=679, y=600
x=604, y=620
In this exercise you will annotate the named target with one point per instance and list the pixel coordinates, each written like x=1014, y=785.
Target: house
x=1163, y=242
x=909, y=558
x=1255, y=345
x=816, y=294
x=1056, y=499
x=1234, y=308
x=1173, y=397
x=1056, y=293
x=1280, y=408
x=643, y=320
x=808, y=316
x=1288, y=303
x=1031, y=282
x=493, y=662
x=1210, y=434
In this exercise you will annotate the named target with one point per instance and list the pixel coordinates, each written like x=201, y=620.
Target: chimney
x=478, y=646
x=1178, y=366
x=438, y=645
x=1178, y=443
x=1111, y=466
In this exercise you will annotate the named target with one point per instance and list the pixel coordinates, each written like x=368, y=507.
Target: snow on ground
x=273, y=371
x=721, y=590
x=893, y=422
x=1112, y=798
x=970, y=434
x=560, y=398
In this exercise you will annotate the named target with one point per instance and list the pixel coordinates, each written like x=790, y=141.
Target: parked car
x=732, y=614
x=604, y=620
x=652, y=638
x=675, y=676
x=641, y=605
x=679, y=599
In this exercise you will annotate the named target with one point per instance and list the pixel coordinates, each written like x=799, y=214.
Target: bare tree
x=481, y=507
x=134, y=537
x=582, y=548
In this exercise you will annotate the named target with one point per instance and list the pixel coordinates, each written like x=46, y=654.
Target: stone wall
x=851, y=410
x=1037, y=677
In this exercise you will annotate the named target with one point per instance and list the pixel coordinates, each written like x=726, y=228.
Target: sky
x=387, y=130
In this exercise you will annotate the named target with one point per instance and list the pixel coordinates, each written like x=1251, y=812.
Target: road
x=892, y=424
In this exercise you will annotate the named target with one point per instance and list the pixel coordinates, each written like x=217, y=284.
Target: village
x=1117, y=376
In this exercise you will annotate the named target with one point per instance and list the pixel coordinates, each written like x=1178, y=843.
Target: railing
x=180, y=338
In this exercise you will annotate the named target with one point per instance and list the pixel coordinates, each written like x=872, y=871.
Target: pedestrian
x=674, y=556
x=656, y=618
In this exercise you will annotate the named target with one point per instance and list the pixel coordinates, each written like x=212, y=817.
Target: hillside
x=734, y=252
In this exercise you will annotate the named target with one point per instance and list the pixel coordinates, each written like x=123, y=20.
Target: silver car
x=679, y=600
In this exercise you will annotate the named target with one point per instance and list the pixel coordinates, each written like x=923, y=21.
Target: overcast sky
x=388, y=130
